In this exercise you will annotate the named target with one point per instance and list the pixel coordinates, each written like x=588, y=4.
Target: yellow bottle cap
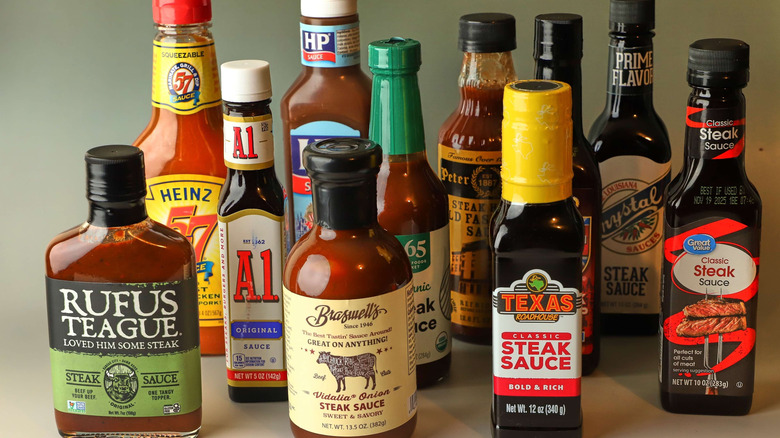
x=536, y=142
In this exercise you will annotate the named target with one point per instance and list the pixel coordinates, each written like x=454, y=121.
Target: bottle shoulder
x=469, y=132
x=244, y=190
x=321, y=89
x=556, y=226
x=632, y=136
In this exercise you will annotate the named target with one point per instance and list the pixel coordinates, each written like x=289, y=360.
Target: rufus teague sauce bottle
x=250, y=214
x=711, y=252
x=536, y=237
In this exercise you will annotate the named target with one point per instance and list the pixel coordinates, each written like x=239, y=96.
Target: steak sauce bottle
x=711, y=253
x=558, y=55
x=633, y=151
x=536, y=236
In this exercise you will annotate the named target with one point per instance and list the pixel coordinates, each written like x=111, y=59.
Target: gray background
x=76, y=74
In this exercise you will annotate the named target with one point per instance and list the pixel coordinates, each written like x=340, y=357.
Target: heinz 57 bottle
x=711, y=252
x=632, y=148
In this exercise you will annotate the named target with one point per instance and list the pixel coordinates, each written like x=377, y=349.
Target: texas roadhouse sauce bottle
x=183, y=146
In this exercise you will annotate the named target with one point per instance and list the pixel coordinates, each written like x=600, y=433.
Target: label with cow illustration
x=124, y=350
x=429, y=256
x=351, y=363
x=710, y=284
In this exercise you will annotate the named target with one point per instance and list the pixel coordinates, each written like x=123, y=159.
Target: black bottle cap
x=115, y=173
x=718, y=62
x=558, y=36
x=342, y=159
x=632, y=12
x=487, y=32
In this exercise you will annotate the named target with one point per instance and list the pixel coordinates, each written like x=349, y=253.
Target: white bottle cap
x=248, y=80
x=328, y=8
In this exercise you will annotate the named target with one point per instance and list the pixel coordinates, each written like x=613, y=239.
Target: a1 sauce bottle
x=330, y=98
x=711, y=253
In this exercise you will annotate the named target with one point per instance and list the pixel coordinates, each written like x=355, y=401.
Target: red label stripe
x=536, y=387
x=257, y=376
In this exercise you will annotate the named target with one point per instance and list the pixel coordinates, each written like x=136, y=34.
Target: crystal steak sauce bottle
x=536, y=236
x=558, y=55
x=349, y=306
x=330, y=98
x=123, y=313
x=411, y=201
x=711, y=251
x=633, y=151
x=251, y=212
x=470, y=166
x=183, y=146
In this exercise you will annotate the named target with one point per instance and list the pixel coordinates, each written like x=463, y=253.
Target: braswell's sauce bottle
x=470, y=165
x=711, y=252
x=536, y=236
x=411, y=201
x=251, y=211
x=122, y=305
x=558, y=55
x=349, y=306
x=633, y=151
x=183, y=146
x=330, y=98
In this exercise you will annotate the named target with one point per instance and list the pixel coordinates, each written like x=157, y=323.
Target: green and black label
x=124, y=350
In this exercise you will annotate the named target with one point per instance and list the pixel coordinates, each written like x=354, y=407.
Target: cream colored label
x=351, y=363
x=248, y=142
x=184, y=76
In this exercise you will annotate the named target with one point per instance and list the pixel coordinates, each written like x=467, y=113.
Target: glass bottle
x=633, y=151
x=251, y=214
x=470, y=165
x=123, y=313
x=330, y=98
x=711, y=253
x=349, y=306
x=558, y=56
x=183, y=146
x=411, y=201
x=536, y=236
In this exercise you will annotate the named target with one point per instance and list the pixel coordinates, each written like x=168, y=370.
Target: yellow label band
x=184, y=77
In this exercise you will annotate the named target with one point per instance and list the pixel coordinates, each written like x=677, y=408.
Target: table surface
x=619, y=400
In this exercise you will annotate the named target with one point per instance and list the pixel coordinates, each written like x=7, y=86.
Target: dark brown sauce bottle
x=711, y=254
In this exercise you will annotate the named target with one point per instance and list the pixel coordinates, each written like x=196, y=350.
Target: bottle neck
x=715, y=126
x=569, y=71
x=330, y=42
x=482, y=79
x=396, y=114
x=345, y=205
x=630, y=73
x=116, y=214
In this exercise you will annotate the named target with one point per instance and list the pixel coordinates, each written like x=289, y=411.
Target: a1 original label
x=429, y=256
x=710, y=287
x=188, y=204
x=536, y=359
x=715, y=134
x=184, y=77
x=301, y=184
x=124, y=350
x=251, y=255
x=630, y=69
x=330, y=46
x=351, y=363
x=631, y=233
x=472, y=180
x=249, y=142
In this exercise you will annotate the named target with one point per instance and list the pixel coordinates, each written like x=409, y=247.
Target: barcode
x=413, y=403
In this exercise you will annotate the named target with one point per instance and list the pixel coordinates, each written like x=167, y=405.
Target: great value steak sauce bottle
x=711, y=252
x=536, y=236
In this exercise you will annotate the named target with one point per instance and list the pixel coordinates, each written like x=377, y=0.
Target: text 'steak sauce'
x=536, y=236
x=469, y=165
x=411, y=201
x=349, y=306
x=711, y=252
x=330, y=98
x=123, y=313
x=183, y=146
x=251, y=210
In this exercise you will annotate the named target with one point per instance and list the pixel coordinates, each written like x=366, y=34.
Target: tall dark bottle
x=536, y=239
x=250, y=215
x=558, y=55
x=633, y=151
x=711, y=252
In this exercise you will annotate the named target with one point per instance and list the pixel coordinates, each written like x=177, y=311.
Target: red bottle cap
x=181, y=11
